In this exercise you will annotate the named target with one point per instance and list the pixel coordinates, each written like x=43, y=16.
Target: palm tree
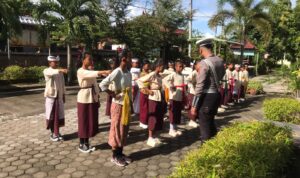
x=67, y=16
x=9, y=20
x=243, y=16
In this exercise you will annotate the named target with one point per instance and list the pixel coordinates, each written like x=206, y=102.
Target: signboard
x=246, y=53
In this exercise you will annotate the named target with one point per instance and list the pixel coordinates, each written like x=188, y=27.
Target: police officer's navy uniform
x=207, y=95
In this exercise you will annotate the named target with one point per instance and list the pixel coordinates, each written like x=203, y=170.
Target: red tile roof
x=248, y=45
x=180, y=31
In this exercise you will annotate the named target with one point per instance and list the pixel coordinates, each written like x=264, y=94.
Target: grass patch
x=252, y=149
x=282, y=110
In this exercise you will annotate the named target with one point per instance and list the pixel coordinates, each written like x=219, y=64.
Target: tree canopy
x=244, y=16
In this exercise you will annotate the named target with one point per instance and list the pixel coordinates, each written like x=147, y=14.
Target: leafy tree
x=9, y=18
x=71, y=20
x=118, y=10
x=170, y=17
x=282, y=16
x=143, y=35
x=243, y=16
x=26, y=7
x=297, y=30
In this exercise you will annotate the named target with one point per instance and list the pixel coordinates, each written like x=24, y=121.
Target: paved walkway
x=26, y=151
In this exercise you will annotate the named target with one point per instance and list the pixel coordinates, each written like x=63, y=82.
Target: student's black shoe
x=91, y=148
x=126, y=159
x=119, y=161
x=83, y=148
x=54, y=138
x=60, y=137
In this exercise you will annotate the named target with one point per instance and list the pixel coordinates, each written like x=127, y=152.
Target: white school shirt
x=120, y=81
x=192, y=80
x=155, y=85
x=55, y=83
x=87, y=80
x=174, y=79
x=135, y=72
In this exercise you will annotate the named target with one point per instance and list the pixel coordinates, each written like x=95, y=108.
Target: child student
x=112, y=64
x=175, y=83
x=155, y=109
x=144, y=97
x=87, y=103
x=191, y=79
x=55, y=97
x=236, y=74
x=230, y=82
x=135, y=72
x=120, y=108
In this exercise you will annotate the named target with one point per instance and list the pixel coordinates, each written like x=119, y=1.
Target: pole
x=69, y=64
x=256, y=67
x=190, y=28
x=8, y=49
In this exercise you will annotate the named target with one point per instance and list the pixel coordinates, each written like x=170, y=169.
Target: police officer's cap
x=205, y=42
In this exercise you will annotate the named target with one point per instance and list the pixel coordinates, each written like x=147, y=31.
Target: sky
x=204, y=9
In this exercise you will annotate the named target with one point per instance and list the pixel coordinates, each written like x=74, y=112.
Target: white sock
x=172, y=126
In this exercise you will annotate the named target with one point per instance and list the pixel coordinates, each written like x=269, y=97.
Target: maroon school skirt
x=155, y=116
x=108, y=105
x=143, y=108
x=54, y=121
x=87, y=119
x=175, y=111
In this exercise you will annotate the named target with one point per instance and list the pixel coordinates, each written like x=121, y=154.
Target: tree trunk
x=69, y=63
x=242, y=44
x=225, y=53
x=49, y=50
x=8, y=50
x=256, y=67
x=242, y=52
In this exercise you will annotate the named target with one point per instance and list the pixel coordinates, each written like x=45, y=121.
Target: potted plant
x=254, y=88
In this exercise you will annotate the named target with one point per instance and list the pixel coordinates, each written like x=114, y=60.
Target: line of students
x=155, y=92
x=234, y=85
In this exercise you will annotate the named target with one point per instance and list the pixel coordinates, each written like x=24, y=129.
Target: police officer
x=207, y=96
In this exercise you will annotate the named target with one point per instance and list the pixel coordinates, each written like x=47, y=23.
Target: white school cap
x=53, y=58
x=237, y=66
x=134, y=60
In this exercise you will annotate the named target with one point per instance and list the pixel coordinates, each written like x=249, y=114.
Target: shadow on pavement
x=169, y=145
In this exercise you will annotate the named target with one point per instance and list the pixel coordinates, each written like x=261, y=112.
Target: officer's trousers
x=208, y=108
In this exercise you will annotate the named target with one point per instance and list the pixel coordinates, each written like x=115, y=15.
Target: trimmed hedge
x=282, y=109
x=35, y=72
x=252, y=149
x=15, y=72
x=257, y=86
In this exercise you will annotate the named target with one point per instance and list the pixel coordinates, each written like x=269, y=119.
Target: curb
x=14, y=89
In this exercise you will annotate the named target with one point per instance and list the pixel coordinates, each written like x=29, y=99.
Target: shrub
x=252, y=149
x=256, y=86
x=19, y=73
x=35, y=72
x=13, y=73
x=282, y=109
